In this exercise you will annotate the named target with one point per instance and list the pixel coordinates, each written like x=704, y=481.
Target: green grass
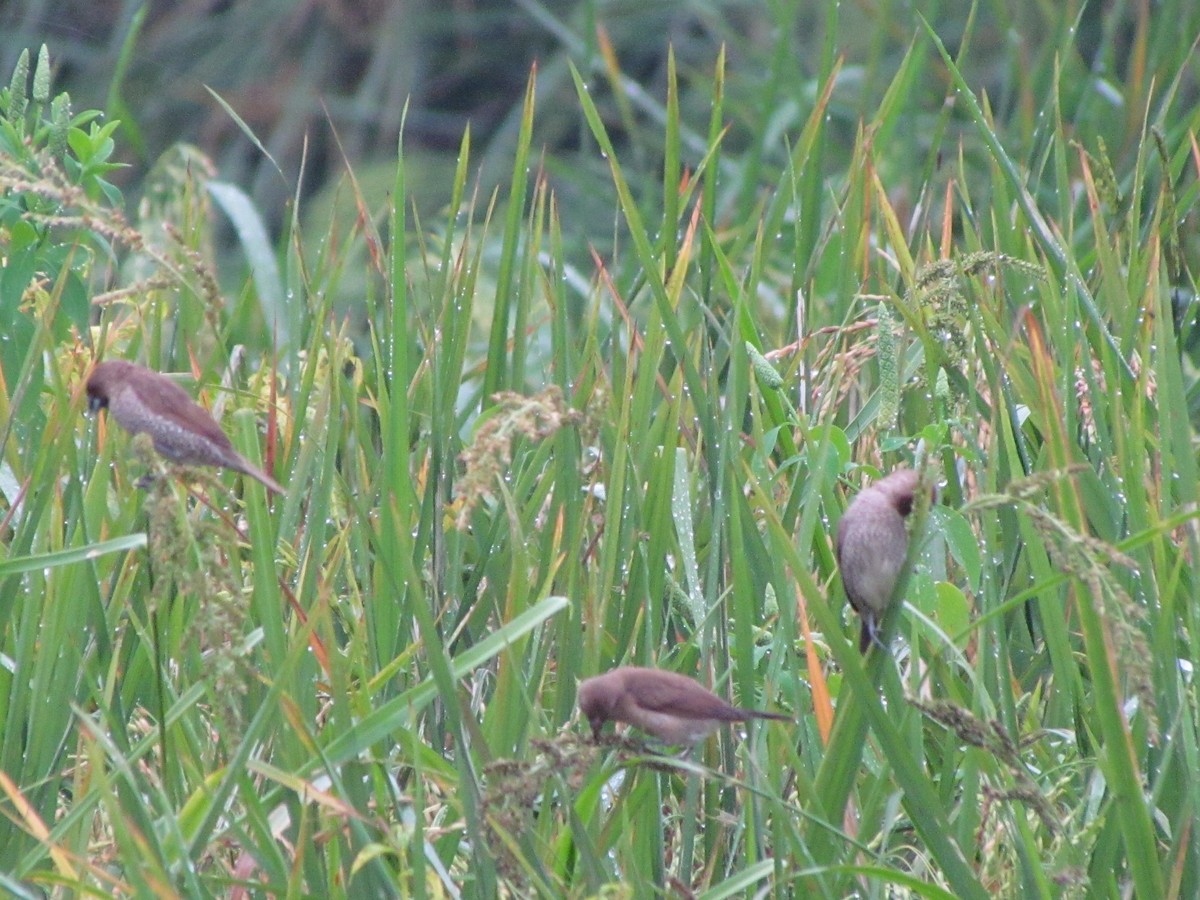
x=524, y=444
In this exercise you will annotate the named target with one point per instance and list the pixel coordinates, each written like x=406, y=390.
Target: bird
x=145, y=401
x=872, y=544
x=671, y=707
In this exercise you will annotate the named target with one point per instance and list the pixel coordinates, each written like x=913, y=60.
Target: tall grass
x=516, y=460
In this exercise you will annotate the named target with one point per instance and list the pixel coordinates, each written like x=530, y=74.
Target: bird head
x=596, y=700
x=103, y=381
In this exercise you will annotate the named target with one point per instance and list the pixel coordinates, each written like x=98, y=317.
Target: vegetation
x=608, y=413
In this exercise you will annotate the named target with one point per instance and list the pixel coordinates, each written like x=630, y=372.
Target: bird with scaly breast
x=872, y=545
x=671, y=707
x=146, y=402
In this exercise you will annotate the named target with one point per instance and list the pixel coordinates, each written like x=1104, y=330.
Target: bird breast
x=171, y=438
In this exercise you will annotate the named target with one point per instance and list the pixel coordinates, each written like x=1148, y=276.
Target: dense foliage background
x=572, y=328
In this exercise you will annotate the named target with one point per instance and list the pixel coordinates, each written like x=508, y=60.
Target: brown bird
x=143, y=401
x=671, y=707
x=872, y=544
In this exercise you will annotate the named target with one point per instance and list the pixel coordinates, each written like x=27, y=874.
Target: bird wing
x=684, y=699
x=165, y=396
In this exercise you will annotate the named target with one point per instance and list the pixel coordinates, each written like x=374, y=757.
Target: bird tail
x=259, y=475
x=763, y=714
x=866, y=635
x=780, y=717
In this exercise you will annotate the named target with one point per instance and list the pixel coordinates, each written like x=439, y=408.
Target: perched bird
x=142, y=400
x=872, y=544
x=671, y=707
